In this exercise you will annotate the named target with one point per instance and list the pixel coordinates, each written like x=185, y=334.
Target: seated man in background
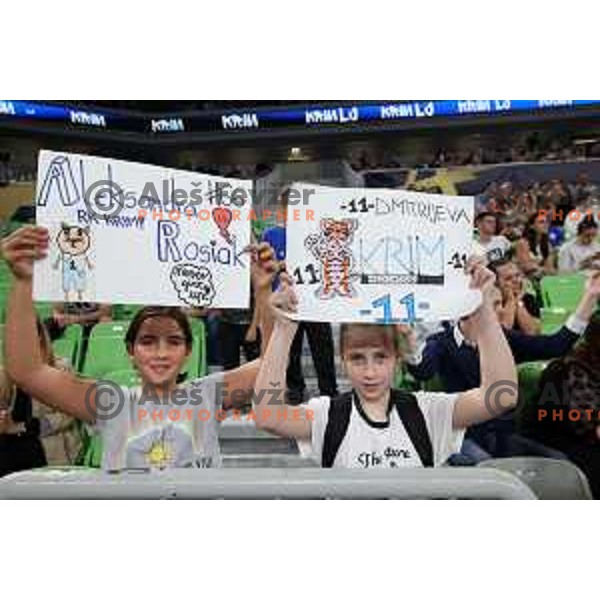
x=581, y=252
x=452, y=355
x=492, y=246
x=520, y=309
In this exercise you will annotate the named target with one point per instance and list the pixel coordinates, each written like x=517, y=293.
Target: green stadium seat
x=69, y=346
x=90, y=455
x=4, y=290
x=553, y=319
x=562, y=291
x=192, y=366
x=199, y=333
x=110, y=329
x=5, y=279
x=74, y=332
x=529, y=375
x=65, y=349
x=44, y=310
x=105, y=354
x=405, y=381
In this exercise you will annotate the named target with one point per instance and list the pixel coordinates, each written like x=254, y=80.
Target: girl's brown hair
x=368, y=334
x=149, y=312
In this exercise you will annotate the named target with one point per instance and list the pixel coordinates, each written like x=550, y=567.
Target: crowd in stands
x=13, y=172
x=540, y=242
x=530, y=150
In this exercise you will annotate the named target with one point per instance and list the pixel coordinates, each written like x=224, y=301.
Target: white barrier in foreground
x=266, y=483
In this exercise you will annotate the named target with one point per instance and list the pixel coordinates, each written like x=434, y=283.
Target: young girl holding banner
x=375, y=425
x=162, y=424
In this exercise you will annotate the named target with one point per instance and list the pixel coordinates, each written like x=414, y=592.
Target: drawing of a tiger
x=331, y=247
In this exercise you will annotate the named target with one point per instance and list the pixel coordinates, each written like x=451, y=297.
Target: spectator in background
x=585, y=209
x=60, y=433
x=583, y=188
x=452, y=355
x=520, y=309
x=493, y=247
x=512, y=227
x=505, y=192
x=581, y=252
x=526, y=202
x=572, y=383
x=533, y=251
x=20, y=445
x=33, y=435
x=558, y=194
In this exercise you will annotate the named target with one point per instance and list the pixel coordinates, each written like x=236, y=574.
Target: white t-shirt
x=149, y=433
x=575, y=217
x=495, y=249
x=378, y=445
x=572, y=254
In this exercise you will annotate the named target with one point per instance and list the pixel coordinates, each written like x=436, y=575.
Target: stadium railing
x=298, y=483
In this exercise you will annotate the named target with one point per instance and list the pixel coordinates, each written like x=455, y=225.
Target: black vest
x=410, y=414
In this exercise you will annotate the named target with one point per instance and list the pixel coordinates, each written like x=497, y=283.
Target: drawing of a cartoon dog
x=74, y=244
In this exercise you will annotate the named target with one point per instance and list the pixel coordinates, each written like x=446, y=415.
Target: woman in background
x=533, y=251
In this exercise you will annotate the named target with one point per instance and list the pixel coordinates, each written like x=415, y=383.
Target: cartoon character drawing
x=331, y=247
x=74, y=244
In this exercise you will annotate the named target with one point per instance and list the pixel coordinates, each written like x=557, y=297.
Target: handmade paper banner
x=381, y=256
x=123, y=232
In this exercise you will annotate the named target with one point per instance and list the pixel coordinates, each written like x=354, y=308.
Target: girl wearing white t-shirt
x=159, y=424
x=375, y=426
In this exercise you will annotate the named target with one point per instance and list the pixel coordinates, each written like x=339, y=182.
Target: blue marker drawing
x=385, y=302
